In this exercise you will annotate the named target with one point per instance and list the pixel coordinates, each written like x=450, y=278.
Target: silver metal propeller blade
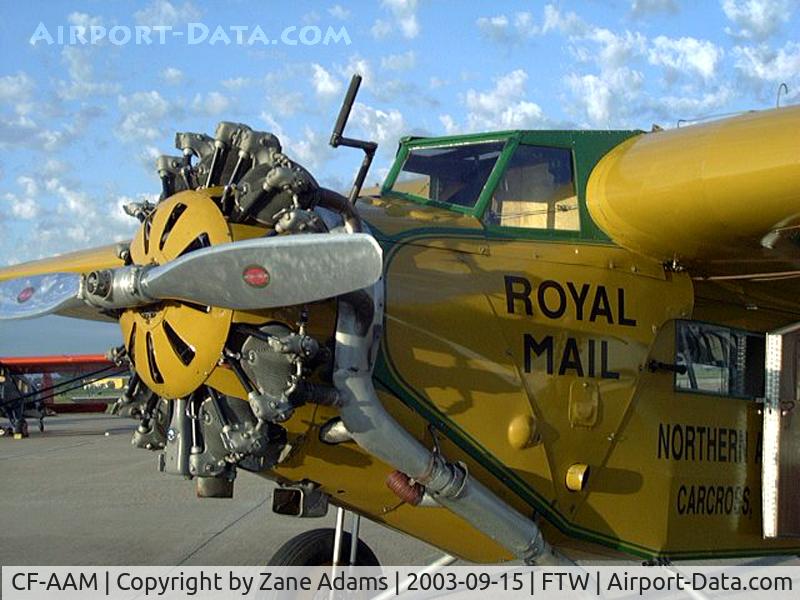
x=259, y=273
x=40, y=295
x=269, y=272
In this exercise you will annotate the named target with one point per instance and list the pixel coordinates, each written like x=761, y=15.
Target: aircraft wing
x=55, y=364
x=83, y=261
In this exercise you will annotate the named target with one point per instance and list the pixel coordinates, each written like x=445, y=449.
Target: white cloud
x=643, y=8
x=495, y=28
x=523, y=21
x=616, y=94
x=405, y=15
x=503, y=30
x=78, y=63
x=74, y=202
x=22, y=131
x=162, y=12
x=236, y=83
x=16, y=130
x=16, y=88
x=78, y=59
x=763, y=68
x=449, y=124
x=287, y=104
x=325, y=84
x=281, y=92
x=141, y=116
x=54, y=167
x=405, y=90
x=211, y=104
x=616, y=50
x=380, y=29
x=382, y=126
x=21, y=207
x=172, y=76
x=82, y=83
x=610, y=94
x=757, y=20
x=607, y=100
x=337, y=11
x=399, y=62
x=52, y=139
x=65, y=217
x=686, y=54
x=608, y=84
x=310, y=149
x=84, y=21
x=28, y=185
x=505, y=106
x=24, y=206
x=672, y=108
x=566, y=23
x=361, y=66
x=147, y=157
x=311, y=17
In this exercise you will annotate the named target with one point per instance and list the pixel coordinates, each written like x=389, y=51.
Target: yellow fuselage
x=521, y=384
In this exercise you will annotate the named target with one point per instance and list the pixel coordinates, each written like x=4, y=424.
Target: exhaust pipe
x=358, y=334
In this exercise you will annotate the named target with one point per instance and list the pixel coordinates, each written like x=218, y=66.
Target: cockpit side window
x=452, y=175
x=537, y=191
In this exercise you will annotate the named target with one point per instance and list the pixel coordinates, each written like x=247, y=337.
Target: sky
x=92, y=91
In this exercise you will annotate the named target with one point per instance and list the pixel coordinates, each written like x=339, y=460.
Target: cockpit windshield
x=452, y=174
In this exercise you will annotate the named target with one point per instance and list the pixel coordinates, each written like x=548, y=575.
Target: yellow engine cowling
x=715, y=192
x=176, y=346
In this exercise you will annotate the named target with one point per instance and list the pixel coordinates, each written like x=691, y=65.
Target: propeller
x=269, y=272
x=252, y=274
x=39, y=295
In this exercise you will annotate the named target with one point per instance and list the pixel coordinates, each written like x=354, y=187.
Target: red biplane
x=29, y=385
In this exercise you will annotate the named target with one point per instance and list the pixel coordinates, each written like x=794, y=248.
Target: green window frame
x=407, y=147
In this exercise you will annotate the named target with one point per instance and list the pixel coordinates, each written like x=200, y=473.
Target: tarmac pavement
x=79, y=494
x=76, y=496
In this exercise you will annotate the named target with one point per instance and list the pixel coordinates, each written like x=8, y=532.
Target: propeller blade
x=39, y=295
x=269, y=272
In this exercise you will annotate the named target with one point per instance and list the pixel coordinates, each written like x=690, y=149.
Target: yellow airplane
x=537, y=345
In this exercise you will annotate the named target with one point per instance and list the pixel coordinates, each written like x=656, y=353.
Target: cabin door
x=781, y=450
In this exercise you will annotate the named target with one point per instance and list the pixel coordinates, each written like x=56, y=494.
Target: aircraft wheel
x=315, y=548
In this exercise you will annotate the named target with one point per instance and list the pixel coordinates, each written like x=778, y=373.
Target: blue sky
x=80, y=124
